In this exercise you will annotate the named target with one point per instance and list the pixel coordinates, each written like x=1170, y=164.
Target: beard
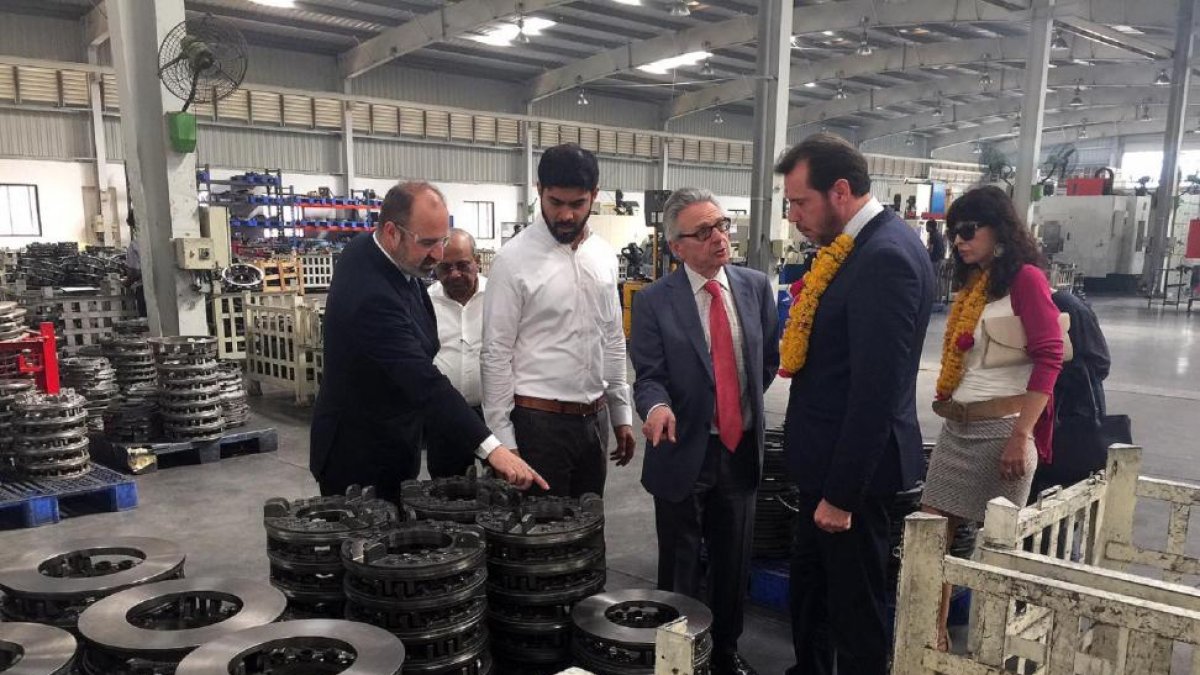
x=566, y=232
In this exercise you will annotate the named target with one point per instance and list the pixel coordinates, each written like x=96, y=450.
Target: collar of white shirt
x=697, y=281
x=375, y=238
x=868, y=211
x=437, y=292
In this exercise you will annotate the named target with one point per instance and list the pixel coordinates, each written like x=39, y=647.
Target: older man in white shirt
x=458, y=304
x=554, y=348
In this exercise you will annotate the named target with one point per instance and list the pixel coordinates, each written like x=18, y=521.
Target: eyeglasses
x=705, y=232
x=965, y=230
x=463, y=267
x=427, y=243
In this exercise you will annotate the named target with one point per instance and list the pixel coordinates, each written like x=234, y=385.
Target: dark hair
x=931, y=226
x=568, y=166
x=991, y=206
x=398, y=203
x=830, y=158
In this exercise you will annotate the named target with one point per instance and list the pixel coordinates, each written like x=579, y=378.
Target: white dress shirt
x=868, y=211
x=552, y=328
x=460, y=331
x=704, y=305
x=491, y=442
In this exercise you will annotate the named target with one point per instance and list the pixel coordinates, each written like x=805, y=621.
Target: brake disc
x=34, y=649
x=458, y=499
x=309, y=647
x=149, y=629
x=50, y=434
x=55, y=583
x=615, y=632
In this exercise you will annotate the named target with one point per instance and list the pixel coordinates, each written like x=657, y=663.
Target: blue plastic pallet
x=32, y=502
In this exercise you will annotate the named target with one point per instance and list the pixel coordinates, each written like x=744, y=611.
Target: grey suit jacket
x=674, y=367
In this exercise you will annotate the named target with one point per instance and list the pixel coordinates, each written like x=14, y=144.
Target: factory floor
x=215, y=510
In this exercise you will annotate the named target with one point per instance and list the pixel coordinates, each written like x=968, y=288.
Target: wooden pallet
x=141, y=458
x=282, y=275
x=31, y=502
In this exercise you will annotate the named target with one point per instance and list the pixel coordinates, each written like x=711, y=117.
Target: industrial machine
x=1104, y=235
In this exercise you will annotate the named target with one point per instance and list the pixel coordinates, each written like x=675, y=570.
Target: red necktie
x=729, y=400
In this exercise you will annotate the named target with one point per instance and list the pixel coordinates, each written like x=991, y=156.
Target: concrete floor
x=215, y=510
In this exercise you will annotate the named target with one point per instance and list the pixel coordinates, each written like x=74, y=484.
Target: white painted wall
x=60, y=196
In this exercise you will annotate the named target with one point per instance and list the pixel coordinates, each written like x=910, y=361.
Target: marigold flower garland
x=960, y=334
x=793, y=349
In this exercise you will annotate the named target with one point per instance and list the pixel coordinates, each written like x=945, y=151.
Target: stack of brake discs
x=149, y=629
x=234, y=408
x=51, y=434
x=304, y=545
x=189, y=389
x=307, y=647
x=132, y=358
x=543, y=557
x=34, y=649
x=458, y=499
x=424, y=582
x=772, y=519
x=135, y=327
x=615, y=632
x=133, y=415
x=9, y=390
x=54, y=584
x=95, y=380
x=12, y=321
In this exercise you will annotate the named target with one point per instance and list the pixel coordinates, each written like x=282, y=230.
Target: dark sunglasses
x=704, y=232
x=966, y=230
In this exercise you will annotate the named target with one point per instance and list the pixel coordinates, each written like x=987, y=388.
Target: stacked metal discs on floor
x=150, y=629
x=304, y=545
x=50, y=433
x=54, y=584
x=9, y=391
x=235, y=409
x=423, y=581
x=133, y=359
x=12, y=321
x=34, y=649
x=544, y=555
x=458, y=499
x=615, y=632
x=773, y=520
x=313, y=647
x=133, y=415
x=189, y=388
x=95, y=380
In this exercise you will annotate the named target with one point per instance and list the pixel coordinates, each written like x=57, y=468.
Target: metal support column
x=1033, y=106
x=348, y=139
x=1181, y=76
x=162, y=182
x=771, y=99
x=529, y=191
x=107, y=208
x=664, y=160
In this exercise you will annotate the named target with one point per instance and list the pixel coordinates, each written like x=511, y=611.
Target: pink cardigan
x=1030, y=293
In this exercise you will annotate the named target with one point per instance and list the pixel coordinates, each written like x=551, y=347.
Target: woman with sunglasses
x=997, y=417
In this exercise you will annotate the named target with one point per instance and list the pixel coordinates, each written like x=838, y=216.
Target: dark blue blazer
x=380, y=384
x=851, y=429
x=674, y=366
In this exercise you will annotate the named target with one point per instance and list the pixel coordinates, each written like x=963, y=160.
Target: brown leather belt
x=560, y=407
x=965, y=413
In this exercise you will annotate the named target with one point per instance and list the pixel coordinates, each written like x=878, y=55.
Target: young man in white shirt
x=458, y=304
x=554, y=348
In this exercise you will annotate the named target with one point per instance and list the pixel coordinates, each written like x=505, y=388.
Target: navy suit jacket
x=674, y=366
x=380, y=384
x=851, y=429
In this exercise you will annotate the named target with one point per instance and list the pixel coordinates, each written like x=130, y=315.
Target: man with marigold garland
x=703, y=345
x=852, y=348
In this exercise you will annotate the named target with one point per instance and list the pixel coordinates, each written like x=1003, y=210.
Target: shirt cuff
x=620, y=414
x=486, y=447
x=654, y=407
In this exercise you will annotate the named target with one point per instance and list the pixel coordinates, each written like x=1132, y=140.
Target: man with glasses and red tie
x=458, y=303
x=705, y=350
x=381, y=388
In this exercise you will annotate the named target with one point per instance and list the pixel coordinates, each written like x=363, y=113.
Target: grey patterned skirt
x=964, y=471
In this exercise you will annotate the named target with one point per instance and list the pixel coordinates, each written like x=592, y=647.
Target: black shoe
x=732, y=664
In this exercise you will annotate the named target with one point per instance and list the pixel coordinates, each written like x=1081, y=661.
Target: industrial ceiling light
x=707, y=69
x=1163, y=79
x=507, y=33
x=864, y=45
x=937, y=109
x=582, y=99
x=664, y=66
x=985, y=79
x=840, y=93
x=976, y=150
x=1146, y=117
x=283, y=4
x=1077, y=99
x=1083, y=130
x=1058, y=41
x=718, y=119
x=680, y=8
x=521, y=38
x=910, y=139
